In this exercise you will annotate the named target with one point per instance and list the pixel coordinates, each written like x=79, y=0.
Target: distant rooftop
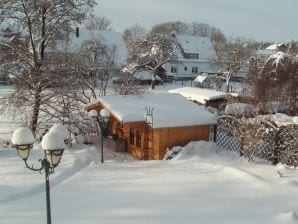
x=199, y=94
x=197, y=45
x=274, y=47
x=110, y=38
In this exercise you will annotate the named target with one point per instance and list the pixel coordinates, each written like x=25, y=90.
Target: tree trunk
x=36, y=109
x=152, y=86
x=228, y=86
x=153, y=81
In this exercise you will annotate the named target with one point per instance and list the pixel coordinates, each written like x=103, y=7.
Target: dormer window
x=191, y=56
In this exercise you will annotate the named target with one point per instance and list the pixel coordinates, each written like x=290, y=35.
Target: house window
x=174, y=69
x=138, y=139
x=191, y=56
x=194, y=70
x=185, y=68
x=131, y=136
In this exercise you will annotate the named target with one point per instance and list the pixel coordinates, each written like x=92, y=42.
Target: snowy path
x=208, y=188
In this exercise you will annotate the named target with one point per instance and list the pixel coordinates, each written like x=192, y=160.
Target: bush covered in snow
x=272, y=137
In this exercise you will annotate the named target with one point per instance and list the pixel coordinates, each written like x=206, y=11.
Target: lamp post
x=53, y=145
x=102, y=121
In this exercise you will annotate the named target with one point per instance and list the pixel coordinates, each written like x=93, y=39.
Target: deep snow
x=204, y=185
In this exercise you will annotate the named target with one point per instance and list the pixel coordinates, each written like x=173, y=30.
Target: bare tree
x=44, y=23
x=93, y=65
x=98, y=23
x=192, y=29
x=133, y=33
x=151, y=53
x=231, y=59
x=168, y=28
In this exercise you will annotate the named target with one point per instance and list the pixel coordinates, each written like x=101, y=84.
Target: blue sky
x=262, y=20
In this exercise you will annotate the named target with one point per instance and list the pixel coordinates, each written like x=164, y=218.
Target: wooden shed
x=152, y=123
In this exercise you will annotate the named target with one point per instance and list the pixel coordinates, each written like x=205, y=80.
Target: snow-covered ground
x=203, y=184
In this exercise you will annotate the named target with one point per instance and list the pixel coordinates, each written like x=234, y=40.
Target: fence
x=259, y=140
x=226, y=139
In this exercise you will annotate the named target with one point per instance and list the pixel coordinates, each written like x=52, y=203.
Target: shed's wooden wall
x=132, y=148
x=169, y=137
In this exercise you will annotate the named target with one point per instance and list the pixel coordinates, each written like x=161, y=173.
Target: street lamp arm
x=33, y=168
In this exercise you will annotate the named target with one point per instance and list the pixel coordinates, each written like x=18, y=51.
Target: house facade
x=152, y=123
x=194, y=57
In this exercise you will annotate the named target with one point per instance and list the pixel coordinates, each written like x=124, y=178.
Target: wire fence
x=259, y=140
x=226, y=139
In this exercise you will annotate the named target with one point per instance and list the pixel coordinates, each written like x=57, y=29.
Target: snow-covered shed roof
x=170, y=110
x=203, y=77
x=197, y=45
x=199, y=94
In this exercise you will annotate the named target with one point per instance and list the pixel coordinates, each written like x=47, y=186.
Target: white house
x=263, y=54
x=193, y=59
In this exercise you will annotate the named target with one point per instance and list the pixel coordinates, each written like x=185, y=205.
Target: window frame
x=131, y=136
x=194, y=70
x=138, y=139
x=174, y=69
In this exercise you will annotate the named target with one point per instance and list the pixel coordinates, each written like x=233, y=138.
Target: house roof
x=169, y=110
x=197, y=45
x=274, y=47
x=110, y=38
x=199, y=94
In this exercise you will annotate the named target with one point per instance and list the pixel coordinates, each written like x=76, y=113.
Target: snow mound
x=22, y=136
x=199, y=149
x=53, y=141
x=280, y=119
x=60, y=128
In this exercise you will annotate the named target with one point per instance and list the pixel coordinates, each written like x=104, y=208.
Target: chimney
x=77, y=32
